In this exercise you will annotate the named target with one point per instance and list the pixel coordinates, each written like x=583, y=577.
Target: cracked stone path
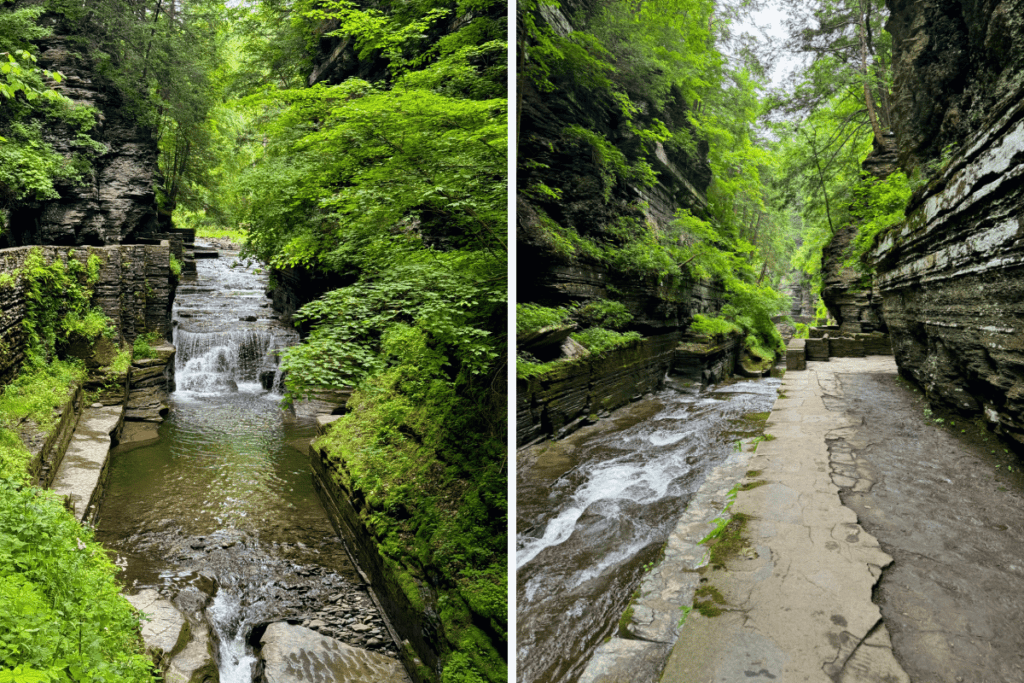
x=80, y=475
x=946, y=502
x=799, y=604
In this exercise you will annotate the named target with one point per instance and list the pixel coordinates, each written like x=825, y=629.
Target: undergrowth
x=143, y=346
x=33, y=398
x=428, y=456
x=62, y=617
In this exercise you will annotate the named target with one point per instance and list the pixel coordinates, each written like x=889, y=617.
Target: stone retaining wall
x=135, y=290
x=419, y=630
x=561, y=400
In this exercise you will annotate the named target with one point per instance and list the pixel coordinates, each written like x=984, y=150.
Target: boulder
x=294, y=654
x=166, y=632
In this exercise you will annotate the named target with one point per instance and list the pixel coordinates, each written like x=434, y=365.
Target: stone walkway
x=798, y=608
x=80, y=474
x=797, y=602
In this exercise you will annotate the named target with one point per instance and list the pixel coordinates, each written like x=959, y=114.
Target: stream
x=595, y=507
x=220, y=513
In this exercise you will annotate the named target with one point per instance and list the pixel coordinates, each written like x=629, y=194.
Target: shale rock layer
x=952, y=279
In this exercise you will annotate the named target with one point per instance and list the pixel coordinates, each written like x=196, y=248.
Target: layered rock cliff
x=848, y=294
x=952, y=276
x=575, y=226
x=116, y=203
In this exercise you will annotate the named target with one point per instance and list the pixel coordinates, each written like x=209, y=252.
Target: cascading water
x=223, y=505
x=593, y=509
x=225, y=332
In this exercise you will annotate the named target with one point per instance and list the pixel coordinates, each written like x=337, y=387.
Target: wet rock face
x=952, y=275
x=118, y=202
x=954, y=62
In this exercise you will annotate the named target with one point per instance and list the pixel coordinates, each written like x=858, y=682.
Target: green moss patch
x=709, y=601
x=727, y=540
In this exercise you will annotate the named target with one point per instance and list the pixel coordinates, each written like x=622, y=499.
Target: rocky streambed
x=216, y=519
x=594, y=511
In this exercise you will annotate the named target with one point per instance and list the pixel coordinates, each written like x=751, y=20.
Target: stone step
x=82, y=470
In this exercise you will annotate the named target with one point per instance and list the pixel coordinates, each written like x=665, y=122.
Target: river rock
x=293, y=654
x=166, y=632
x=194, y=664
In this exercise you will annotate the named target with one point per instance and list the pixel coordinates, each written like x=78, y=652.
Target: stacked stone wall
x=134, y=290
x=561, y=400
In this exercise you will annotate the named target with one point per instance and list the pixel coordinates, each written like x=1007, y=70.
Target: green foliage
x=122, y=361
x=429, y=460
x=429, y=310
x=604, y=313
x=57, y=305
x=880, y=205
x=30, y=168
x=143, y=346
x=90, y=325
x=323, y=192
x=612, y=164
x=532, y=317
x=30, y=401
x=714, y=326
x=525, y=369
x=598, y=339
x=175, y=266
x=61, y=612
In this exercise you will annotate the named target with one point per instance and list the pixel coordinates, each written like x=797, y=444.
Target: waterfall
x=215, y=362
x=225, y=332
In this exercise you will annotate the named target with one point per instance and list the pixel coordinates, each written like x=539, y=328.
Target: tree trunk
x=868, y=99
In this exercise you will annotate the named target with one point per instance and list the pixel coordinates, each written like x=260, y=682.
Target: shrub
x=598, y=339
x=604, y=313
x=531, y=317
x=61, y=612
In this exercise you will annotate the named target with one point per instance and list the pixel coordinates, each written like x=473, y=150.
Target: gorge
x=144, y=145
x=656, y=202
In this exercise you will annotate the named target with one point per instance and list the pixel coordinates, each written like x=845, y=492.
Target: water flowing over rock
x=219, y=514
x=595, y=508
x=214, y=352
x=951, y=275
x=293, y=654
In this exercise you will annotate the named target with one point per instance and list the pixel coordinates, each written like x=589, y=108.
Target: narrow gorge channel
x=594, y=510
x=219, y=513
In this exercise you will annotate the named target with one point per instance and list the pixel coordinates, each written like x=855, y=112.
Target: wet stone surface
x=594, y=509
x=953, y=522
